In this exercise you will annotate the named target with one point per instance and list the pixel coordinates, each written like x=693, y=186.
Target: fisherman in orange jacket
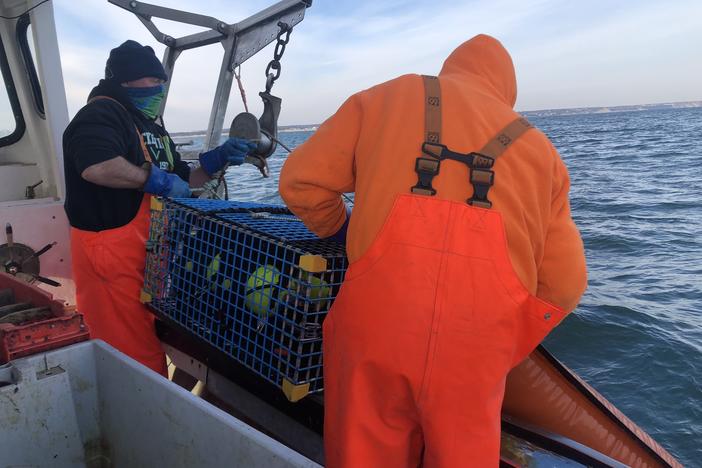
x=463, y=258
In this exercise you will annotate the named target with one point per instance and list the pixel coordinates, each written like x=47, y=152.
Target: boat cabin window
x=26, y=47
x=12, y=124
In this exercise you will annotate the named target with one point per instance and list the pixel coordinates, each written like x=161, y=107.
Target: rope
x=237, y=75
x=281, y=144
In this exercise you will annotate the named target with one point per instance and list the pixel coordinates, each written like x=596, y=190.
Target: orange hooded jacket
x=370, y=145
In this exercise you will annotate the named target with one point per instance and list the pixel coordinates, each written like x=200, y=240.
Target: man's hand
x=340, y=235
x=166, y=184
x=120, y=173
x=233, y=151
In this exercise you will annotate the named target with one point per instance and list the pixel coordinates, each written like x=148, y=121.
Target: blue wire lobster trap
x=249, y=279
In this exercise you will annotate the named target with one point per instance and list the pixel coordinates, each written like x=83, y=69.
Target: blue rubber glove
x=340, y=235
x=165, y=184
x=233, y=151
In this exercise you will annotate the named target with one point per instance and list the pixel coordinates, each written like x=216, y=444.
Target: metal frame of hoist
x=240, y=41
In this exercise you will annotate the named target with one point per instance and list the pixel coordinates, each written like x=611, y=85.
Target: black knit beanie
x=131, y=61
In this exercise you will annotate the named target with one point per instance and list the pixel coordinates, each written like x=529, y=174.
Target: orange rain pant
x=420, y=339
x=108, y=268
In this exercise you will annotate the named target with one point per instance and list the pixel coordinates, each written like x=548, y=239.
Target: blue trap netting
x=207, y=206
x=282, y=226
x=235, y=275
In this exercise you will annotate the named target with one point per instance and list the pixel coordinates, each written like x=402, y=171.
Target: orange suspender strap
x=147, y=156
x=495, y=147
x=432, y=109
x=482, y=177
x=428, y=167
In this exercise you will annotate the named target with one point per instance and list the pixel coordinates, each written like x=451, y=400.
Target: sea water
x=636, y=196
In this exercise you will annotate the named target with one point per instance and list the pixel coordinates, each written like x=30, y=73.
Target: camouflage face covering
x=147, y=100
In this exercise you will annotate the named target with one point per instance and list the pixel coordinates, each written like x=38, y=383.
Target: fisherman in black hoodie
x=117, y=153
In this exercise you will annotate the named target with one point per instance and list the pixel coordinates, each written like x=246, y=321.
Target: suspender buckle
x=426, y=169
x=472, y=160
x=487, y=204
x=482, y=180
x=435, y=150
x=482, y=177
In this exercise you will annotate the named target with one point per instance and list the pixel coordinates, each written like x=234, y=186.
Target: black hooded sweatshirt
x=103, y=130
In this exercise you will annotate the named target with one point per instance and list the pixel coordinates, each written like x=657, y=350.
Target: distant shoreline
x=608, y=109
x=536, y=113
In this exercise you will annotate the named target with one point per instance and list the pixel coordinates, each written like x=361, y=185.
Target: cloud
x=341, y=55
x=630, y=56
x=566, y=53
x=86, y=35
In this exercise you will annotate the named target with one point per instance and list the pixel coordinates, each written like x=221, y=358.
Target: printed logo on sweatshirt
x=159, y=148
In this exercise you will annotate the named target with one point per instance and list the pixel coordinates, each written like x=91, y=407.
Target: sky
x=566, y=53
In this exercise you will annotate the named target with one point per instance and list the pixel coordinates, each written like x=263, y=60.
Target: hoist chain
x=273, y=68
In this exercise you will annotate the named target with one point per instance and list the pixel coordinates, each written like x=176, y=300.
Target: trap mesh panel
x=249, y=279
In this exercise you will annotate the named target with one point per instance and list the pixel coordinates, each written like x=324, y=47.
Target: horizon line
x=557, y=109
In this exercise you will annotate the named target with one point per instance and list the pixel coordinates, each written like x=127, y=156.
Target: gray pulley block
x=246, y=125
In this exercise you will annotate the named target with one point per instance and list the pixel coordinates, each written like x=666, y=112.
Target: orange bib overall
x=108, y=268
x=421, y=336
